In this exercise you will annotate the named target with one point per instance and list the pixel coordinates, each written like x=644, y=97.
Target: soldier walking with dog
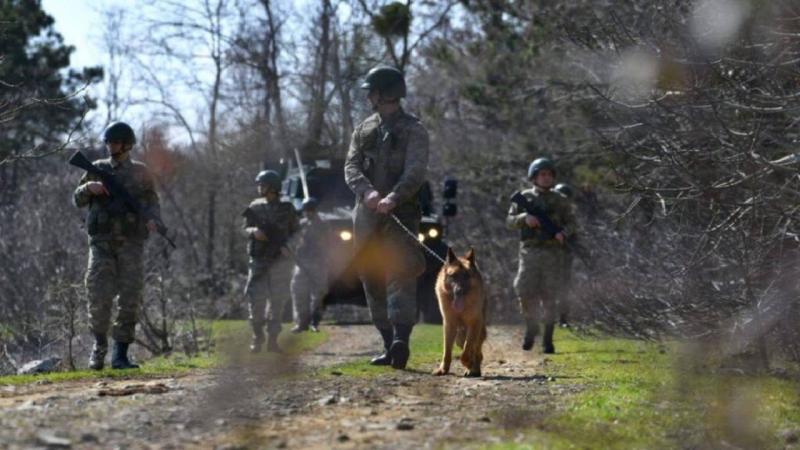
x=545, y=221
x=116, y=244
x=385, y=168
x=268, y=224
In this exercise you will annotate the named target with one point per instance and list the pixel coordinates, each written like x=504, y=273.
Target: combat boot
x=257, y=342
x=384, y=359
x=316, y=317
x=97, y=360
x=299, y=328
x=119, y=357
x=272, y=343
x=530, y=336
x=399, y=350
x=547, y=345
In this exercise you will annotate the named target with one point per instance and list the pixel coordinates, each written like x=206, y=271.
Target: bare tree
x=393, y=23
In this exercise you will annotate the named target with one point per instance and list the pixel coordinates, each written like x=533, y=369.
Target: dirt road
x=276, y=404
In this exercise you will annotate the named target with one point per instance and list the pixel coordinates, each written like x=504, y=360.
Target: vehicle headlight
x=433, y=233
x=421, y=237
x=345, y=235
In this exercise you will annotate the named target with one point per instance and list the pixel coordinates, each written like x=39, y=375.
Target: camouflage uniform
x=542, y=259
x=116, y=247
x=310, y=276
x=390, y=157
x=270, y=268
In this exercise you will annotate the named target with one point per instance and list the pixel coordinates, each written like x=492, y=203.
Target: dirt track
x=249, y=406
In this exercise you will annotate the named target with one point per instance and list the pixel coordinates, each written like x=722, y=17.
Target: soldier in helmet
x=116, y=246
x=310, y=275
x=385, y=167
x=268, y=224
x=541, y=254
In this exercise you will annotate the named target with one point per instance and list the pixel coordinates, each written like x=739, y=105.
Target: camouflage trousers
x=309, y=286
x=115, y=271
x=267, y=292
x=539, y=282
x=389, y=262
x=566, y=298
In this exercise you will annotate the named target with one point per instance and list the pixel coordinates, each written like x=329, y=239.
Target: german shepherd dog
x=462, y=300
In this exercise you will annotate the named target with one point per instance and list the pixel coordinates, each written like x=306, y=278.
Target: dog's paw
x=472, y=373
x=439, y=372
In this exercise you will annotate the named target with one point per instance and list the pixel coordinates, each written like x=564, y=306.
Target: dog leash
x=416, y=239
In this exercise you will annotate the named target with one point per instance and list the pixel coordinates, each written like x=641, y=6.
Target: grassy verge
x=226, y=335
x=634, y=395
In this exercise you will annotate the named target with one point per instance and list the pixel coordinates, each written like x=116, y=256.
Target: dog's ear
x=451, y=257
x=471, y=256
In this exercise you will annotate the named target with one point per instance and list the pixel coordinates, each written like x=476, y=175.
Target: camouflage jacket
x=278, y=220
x=313, y=242
x=388, y=156
x=554, y=205
x=106, y=220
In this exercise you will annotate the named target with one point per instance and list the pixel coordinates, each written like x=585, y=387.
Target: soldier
x=564, y=303
x=541, y=255
x=268, y=224
x=385, y=168
x=116, y=246
x=310, y=275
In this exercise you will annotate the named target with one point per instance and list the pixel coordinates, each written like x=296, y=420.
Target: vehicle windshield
x=326, y=184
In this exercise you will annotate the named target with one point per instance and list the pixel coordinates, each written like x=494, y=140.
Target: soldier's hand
x=258, y=234
x=560, y=237
x=531, y=221
x=151, y=226
x=386, y=205
x=371, y=199
x=97, y=188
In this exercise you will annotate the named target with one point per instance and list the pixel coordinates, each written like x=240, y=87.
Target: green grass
x=634, y=395
x=228, y=336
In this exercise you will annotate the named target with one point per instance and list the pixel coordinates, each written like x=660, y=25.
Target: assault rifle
x=549, y=227
x=121, y=199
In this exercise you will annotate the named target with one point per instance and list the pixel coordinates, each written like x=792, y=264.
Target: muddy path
x=296, y=402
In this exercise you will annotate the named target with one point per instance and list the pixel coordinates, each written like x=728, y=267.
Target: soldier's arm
x=248, y=227
x=569, y=222
x=515, y=220
x=416, y=164
x=294, y=220
x=353, y=175
x=82, y=197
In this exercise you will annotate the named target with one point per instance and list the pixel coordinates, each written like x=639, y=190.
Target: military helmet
x=310, y=204
x=119, y=132
x=564, y=189
x=388, y=81
x=539, y=164
x=269, y=178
